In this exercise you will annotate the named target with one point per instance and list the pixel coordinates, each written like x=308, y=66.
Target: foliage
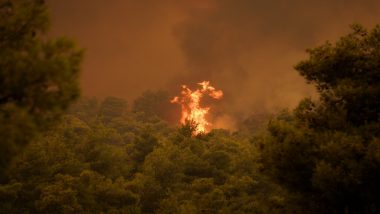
x=326, y=148
x=94, y=165
x=151, y=105
x=38, y=76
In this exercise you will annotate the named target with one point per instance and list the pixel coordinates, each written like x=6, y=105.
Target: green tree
x=155, y=104
x=347, y=77
x=38, y=76
x=325, y=149
x=111, y=108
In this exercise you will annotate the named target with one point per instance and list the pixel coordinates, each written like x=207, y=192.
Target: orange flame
x=190, y=104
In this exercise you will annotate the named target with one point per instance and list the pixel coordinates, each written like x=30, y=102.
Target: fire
x=190, y=104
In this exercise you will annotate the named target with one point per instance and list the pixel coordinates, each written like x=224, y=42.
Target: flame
x=190, y=104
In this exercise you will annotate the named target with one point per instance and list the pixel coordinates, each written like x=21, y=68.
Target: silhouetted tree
x=327, y=149
x=38, y=76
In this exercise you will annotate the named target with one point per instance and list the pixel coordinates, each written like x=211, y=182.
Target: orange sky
x=246, y=47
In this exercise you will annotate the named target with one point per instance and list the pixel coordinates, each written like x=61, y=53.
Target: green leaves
x=38, y=76
x=327, y=150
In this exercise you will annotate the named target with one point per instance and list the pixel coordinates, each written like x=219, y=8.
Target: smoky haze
x=247, y=48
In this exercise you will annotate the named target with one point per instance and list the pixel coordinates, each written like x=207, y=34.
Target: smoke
x=247, y=48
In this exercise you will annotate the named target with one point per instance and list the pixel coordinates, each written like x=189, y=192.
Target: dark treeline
x=112, y=156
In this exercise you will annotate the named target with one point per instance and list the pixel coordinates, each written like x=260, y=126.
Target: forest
x=61, y=152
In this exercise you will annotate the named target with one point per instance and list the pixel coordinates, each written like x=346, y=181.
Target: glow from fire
x=190, y=104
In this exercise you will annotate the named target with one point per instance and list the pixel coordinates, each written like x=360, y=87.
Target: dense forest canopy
x=115, y=156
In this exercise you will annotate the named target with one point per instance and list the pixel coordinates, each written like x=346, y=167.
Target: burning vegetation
x=191, y=109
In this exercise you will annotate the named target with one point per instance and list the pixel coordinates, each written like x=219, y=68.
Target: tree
x=88, y=166
x=38, y=76
x=155, y=104
x=347, y=76
x=325, y=149
x=111, y=108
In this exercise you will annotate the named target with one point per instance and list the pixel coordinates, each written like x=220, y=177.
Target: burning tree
x=190, y=104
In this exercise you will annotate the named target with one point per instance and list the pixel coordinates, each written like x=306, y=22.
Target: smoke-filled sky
x=246, y=47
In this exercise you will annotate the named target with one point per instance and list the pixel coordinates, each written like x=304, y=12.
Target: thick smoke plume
x=248, y=48
x=245, y=47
